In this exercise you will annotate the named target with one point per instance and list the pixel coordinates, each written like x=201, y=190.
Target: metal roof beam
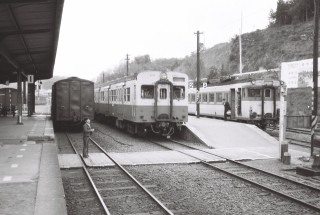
x=9, y=33
x=5, y=54
x=22, y=38
x=16, y=54
x=22, y=1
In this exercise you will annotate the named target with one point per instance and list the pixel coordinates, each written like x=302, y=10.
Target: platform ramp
x=227, y=134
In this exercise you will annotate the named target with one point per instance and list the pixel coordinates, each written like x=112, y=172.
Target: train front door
x=233, y=103
x=163, y=101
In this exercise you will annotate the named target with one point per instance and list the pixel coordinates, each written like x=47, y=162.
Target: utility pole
x=240, y=48
x=103, y=77
x=314, y=118
x=127, y=59
x=198, y=74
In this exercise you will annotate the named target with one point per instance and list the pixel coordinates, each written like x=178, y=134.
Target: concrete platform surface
x=37, y=127
x=30, y=178
x=69, y=161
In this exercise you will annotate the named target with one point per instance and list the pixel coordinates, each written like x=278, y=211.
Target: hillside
x=260, y=49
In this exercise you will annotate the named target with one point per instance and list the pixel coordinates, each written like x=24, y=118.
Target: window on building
x=147, y=91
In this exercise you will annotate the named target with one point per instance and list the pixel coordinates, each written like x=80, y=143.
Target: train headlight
x=163, y=76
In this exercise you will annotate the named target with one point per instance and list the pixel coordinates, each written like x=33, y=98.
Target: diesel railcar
x=252, y=101
x=72, y=101
x=149, y=101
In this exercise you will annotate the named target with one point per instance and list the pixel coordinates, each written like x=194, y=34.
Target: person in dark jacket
x=87, y=131
x=226, y=108
x=13, y=110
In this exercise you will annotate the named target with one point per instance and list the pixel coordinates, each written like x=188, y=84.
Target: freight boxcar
x=72, y=101
x=8, y=99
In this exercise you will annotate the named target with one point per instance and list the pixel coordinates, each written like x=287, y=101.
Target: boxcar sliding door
x=62, y=101
x=87, y=102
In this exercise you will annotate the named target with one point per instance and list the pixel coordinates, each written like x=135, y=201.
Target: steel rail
x=253, y=168
x=90, y=179
x=135, y=180
x=249, y=181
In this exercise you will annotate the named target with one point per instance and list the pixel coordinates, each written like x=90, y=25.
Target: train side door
x=233, y=103
x=239, y=93
x=75, y=100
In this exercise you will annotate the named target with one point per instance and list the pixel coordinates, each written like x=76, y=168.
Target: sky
x=97, y=35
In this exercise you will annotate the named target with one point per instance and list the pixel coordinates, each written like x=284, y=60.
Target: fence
x=299, y=121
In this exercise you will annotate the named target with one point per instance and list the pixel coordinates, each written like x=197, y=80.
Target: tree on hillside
x=142, y=59
x=291, y=12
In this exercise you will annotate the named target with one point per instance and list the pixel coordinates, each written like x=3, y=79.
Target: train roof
x=130, y=77
x=252, y=82
x=73, y=79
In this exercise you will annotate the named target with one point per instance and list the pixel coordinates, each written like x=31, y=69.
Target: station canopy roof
x=29, y=33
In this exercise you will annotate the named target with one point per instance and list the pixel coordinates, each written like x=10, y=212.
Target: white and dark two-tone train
x=148, y=101
x=251, y=100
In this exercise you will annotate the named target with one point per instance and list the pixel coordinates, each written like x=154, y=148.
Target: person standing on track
x=87, y=131
x=226, y=108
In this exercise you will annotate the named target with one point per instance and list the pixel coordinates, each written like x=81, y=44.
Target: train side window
x=147, y=91
x=219, y=97
x=267, y=93
x=204, y=97
x=106, y=95
x=254, y=92
x=193, y=97
x=127, y=94
x=178, y=92
x=113, y=95
x=163, y=93
x=211, y=97
x=102, y=96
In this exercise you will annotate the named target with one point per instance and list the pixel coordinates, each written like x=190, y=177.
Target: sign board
x=30, y=79
x=197, y=97
x=204, y=85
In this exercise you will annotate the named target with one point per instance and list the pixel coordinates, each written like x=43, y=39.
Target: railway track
x=303, y=194
x=119, y=192
x=293, y=140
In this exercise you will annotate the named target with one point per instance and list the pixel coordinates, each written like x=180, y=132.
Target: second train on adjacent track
x=253, y=101
x=149, y=101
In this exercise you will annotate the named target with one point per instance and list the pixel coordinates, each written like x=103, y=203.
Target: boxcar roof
x=73, y=79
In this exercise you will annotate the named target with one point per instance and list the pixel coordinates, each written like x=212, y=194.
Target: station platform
x=30, y=178
x=248, y=141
